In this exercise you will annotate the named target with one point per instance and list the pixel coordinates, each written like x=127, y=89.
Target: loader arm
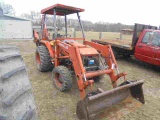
x=107, y=53
x=81, y=74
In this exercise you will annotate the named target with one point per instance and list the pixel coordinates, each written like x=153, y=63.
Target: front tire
x=62, y=78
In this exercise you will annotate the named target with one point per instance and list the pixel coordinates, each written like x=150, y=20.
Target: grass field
x=95, y=35
x=55, y=105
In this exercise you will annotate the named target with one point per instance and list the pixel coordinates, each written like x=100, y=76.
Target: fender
x=36, y=36
x=49, y=47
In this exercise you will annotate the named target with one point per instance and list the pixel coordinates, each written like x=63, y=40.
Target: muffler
x=98, y=101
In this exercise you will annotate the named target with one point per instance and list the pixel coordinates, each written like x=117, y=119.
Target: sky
x=112, y=11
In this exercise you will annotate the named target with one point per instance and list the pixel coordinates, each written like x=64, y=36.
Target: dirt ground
x=55, y=105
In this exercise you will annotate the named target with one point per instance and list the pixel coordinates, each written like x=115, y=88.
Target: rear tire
x=62, y=78
x=16, y=99
x=43, y=59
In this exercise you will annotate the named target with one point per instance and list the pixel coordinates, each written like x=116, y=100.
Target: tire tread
x=15, y=87
x=46, y=64
x=67, y=77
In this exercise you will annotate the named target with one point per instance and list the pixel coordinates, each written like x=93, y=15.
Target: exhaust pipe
x=91, y=105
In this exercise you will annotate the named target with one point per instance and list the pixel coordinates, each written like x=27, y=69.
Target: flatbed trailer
x=126, y=46
x=144, y=45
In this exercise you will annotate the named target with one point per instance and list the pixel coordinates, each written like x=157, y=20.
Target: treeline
x=87, y=25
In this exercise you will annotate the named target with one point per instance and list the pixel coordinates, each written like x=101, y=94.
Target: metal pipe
x=85, y=79
x=42, y=25
x=81, y=25
x=98, y=73
x=65, y=17
x=100, y=59
x=55, y=30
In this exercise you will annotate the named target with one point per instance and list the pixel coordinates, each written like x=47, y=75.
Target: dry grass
x=95, y=35
x=55, y=105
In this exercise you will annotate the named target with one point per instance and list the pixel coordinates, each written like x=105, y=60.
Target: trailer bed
x=125, y=44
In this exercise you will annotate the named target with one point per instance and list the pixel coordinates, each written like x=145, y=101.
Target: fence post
x=74, y=33
x=100, y=35
x=120, y=36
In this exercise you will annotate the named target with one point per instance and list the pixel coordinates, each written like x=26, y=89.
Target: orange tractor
x=64, y=54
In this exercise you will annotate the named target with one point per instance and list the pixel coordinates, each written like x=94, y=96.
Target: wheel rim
x=58, y=80
x=38, y=58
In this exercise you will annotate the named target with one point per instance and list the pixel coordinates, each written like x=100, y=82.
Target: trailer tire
x=126, y=56
x=62, y=78
x=115, y=52
x=16, y=98
x=43, y=59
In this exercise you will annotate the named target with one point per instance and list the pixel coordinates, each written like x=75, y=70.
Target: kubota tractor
x=64, y=54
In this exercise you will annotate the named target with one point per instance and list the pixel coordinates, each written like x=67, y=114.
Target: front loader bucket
x=90, y=106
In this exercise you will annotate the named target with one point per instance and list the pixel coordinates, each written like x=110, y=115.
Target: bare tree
x=7, y=9
x=26, y=15
x=34, y=16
